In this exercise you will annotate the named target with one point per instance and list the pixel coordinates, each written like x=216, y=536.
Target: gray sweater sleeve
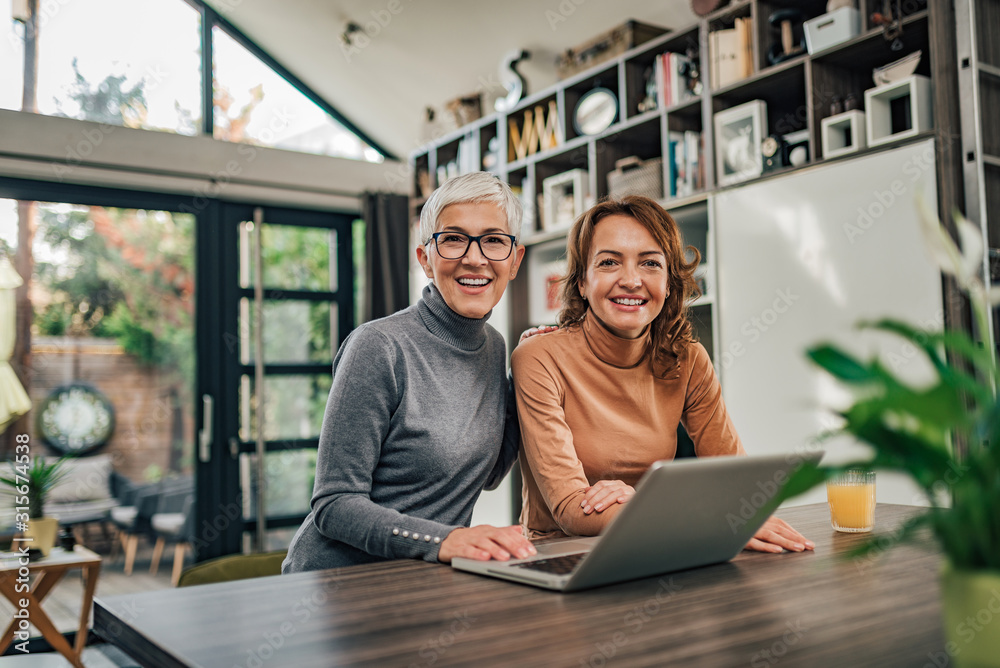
x=362, y=400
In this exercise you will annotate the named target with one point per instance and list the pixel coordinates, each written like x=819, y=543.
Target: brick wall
x=144, y=400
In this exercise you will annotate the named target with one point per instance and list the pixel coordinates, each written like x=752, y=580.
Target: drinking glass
x=851, y=496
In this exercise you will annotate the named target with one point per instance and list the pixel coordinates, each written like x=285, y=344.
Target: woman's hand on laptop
x=605, y=493
x=777, y=535
x=485, y=542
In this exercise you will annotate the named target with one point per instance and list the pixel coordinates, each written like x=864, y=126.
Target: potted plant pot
x=913, y=429
x=43, y=532
x=970, y=603
x=30, y=482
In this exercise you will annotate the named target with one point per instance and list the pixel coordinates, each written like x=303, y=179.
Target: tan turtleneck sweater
x=591, y=409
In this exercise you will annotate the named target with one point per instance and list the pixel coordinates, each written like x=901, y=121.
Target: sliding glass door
x=210, y=333
x=286, y=303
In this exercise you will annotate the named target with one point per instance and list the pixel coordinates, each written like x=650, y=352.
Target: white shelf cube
x=913, y=93
x=843, y=133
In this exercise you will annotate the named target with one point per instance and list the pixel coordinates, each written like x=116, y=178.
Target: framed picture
x=738, y=134
x=563, y=198
x=546, y=265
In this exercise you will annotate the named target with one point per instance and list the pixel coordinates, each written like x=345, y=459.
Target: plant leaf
x=972, y=247
x=841, y=365
x=803, y=479
x=924, y=462
x=884, y=541
x=939, y=244
x=994, y=295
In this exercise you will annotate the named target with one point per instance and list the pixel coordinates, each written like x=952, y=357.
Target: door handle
x=205, y=435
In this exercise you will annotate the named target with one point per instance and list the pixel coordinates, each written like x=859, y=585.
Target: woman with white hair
x=419, y=418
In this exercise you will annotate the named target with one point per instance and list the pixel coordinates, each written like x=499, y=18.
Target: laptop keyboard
x=562, y=565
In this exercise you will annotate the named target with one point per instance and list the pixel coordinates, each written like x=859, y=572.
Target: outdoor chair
x=132, y=519
x=173, y=521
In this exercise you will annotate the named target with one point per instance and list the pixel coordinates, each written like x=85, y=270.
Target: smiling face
x=471, y=285
x=626, y=276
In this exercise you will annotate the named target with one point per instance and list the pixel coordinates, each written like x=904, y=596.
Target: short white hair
x=470, y=188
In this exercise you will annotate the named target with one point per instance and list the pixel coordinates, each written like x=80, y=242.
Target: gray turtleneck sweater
x=413, y=432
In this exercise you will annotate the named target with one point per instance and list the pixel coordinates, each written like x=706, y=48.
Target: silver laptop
x=686, y=513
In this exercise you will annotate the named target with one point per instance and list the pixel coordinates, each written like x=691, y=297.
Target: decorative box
x=563, y=199
x=843, y=133
x=604, y=47
x=898, y=110
x=835, y=27
x=632, y=176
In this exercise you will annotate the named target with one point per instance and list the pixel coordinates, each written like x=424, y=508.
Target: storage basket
x=838, y=26
x=632, y=176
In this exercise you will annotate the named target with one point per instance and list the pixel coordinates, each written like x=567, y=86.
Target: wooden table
x=763, y=610
x=47, y=572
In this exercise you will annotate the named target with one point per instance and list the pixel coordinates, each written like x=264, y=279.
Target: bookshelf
x=979, y=83
x=799, y=92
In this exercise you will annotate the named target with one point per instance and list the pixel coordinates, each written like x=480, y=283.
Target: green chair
x=233, y=567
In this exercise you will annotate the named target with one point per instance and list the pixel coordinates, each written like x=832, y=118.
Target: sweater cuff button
x=395, y=532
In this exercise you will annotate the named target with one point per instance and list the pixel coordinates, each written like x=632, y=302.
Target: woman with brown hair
x=599, y=400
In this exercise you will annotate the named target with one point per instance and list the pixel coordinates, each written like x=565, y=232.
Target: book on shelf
x=525, y=192
x=745, y=46
x=671, y=73
x=465, y=161
x=731, y=53
x=685, y=162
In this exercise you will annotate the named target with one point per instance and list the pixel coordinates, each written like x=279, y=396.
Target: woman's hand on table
x=528, y=333
x=777, y=535
x=605, y=493
x=485, y=542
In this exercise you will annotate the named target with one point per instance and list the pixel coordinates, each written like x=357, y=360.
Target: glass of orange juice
x=851, y=496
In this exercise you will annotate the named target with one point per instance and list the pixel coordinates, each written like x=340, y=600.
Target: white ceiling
x=428, y=51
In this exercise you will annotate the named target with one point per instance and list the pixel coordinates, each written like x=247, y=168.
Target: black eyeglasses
x=454, y=245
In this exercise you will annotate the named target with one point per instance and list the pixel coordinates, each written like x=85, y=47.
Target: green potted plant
x=911, y=430
x=31, y=482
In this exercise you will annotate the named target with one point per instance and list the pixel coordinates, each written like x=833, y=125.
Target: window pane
x=120, y=62
x=294, y=331
x=288, y=478
x=254, y=105
x=295, y=258
x=12, y=57
x=294, y=407
x=113, y=297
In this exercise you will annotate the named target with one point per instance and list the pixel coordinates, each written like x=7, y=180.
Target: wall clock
x=595, y=112
x=75, y=419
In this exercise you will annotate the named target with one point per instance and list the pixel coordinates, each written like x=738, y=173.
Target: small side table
x=48, y=571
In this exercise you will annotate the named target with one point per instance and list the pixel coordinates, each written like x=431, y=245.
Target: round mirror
x=595, y=112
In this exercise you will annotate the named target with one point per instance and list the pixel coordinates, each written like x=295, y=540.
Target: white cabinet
x=801, y=260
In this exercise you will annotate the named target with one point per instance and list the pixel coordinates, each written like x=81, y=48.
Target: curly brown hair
x=671, y=330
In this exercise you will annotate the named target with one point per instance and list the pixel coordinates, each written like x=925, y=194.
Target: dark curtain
x=387, y=256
